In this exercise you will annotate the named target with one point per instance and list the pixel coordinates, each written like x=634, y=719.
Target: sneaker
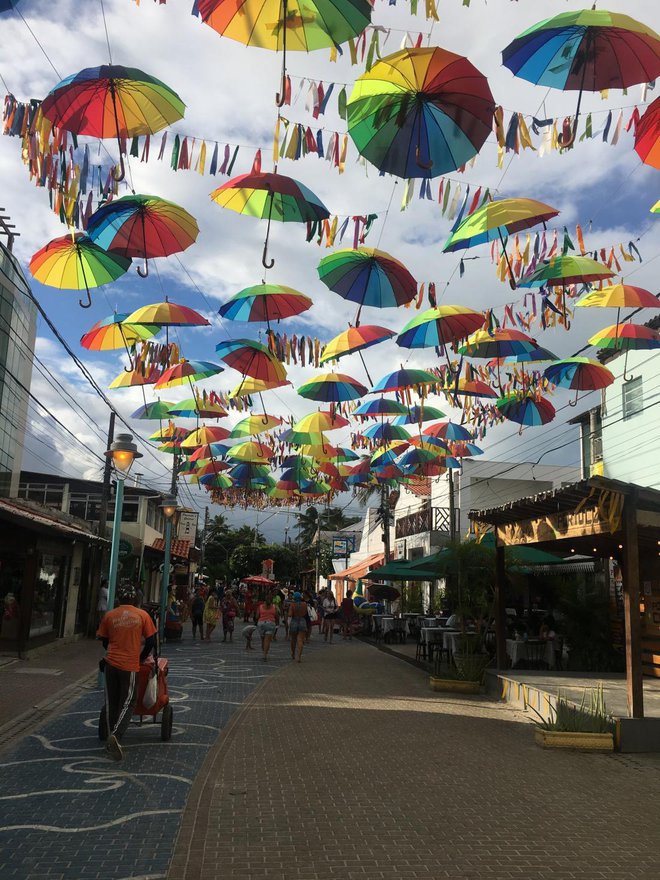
x=114, y=748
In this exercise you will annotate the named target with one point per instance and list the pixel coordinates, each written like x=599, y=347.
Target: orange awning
x=359, y=569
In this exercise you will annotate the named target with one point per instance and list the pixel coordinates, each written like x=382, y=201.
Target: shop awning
x=178, y=548
x=24, y=514
x=358, y=570
x=407, y=570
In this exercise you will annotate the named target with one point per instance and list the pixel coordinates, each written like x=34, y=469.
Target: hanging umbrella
x=111, y=333
x=248, y=386
x=251, y=358
x=626, y=337
x=415, y=415
x=525, y=357
x=211, y=467
x=155, y=411
x=499, y=343
x=494, y=220
x=620, y=296
x=133, y=378
x=287, y=25
x=526, y=410
x=251, y=451
x=585, y=50
x=75, y=262
x=255, y=425
x=270, y=197
x=250, y=474
x=656, y=208
x=187, y=371
x=144, y=227
x=465, y=450
x=565, y=269
x=209, y=451
x=112, y=101
x=205, y=435
x=170, y=432
x=320, y=421
x=420, y=112
x=197, y=408
x=647, y=135
x=430, y=443
x=332, y=388
x=216, y=481
x=385, y=432
x=167, y=314
x=374, y=409
x=579, y=374
x=355, y=339
x=265, y=302
x=7, y=5
x=412, y=459
x=401, y=379
x=368, y=277
x=470, y=388
x=448, y=431
x=440, y=326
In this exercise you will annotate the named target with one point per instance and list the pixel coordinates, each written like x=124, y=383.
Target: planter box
x=454, y=685
x=560, y=739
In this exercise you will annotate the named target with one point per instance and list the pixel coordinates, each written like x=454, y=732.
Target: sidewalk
x=347, y=766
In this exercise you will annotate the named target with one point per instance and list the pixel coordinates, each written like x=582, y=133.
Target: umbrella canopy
x=332, y=388
x=620, y=296
x=197, y=407
x=249, y=385
x=155, y=411
x=383, y=406
x=143, y=226
x=368, y=277
x=440, y=326
x=526, y=411
x=415, y=415
x=216, y=481
x=496, y=219
x=251, y=358
x=626, y=337
x=251, y=451
x=647, y=135
x=265, y=302
x=318, y=422
x=448, y=431
x=579, y=374
x=75, y=262
x=205, y=435
x=354, y=339
x=470, y=388
x=255, y=425
x=167, y=314
x=404, y=378
x=384, y=591
x=187, y=371
x=385, y=432
x=209, y=450
x=499, y=344
x=112, y=101
x=566, y=269
x=133, y=378
x=249, y=474
x=420, y=112
x=169, y=432
x=6, y=5
x=656, y=208
x=465, y=450
x=111, y=333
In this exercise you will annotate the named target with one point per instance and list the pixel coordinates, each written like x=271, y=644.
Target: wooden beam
x=632, y=620
x=500, y=606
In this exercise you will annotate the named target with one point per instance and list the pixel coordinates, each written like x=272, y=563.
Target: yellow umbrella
x=205, y=435
x=256, y=386
x=255, y=425
x=250, y=451
x=320, y=421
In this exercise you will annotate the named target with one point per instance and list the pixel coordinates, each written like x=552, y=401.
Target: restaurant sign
x=556, y=527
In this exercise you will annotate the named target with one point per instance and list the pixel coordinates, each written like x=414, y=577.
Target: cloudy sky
x=229, y=92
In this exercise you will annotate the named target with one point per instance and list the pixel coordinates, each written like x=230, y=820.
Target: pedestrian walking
x=197, y=615
x=268, y=618
x=229, y=612
x=298, y=626
x=248, y=605
x=347, y=612
x=211, y=613
x=127, y=634
x=102, y=600
x=329, y=615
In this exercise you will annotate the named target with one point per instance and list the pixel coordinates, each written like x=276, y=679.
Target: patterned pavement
x=68, y=812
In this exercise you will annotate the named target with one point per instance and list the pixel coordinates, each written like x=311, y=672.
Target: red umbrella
x=647, y=135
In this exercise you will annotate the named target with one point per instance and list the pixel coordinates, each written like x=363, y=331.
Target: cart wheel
x=166, y=723
x=103, y=725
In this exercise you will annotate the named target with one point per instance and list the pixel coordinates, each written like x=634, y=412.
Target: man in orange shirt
x=122, y=631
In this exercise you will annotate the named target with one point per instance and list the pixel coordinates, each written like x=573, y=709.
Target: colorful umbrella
x=265, y=302
x=198, y=408
x=255, y=425
x=526, y=410
x=251, y=451
x=332, y=388
x=470, y=388
x=187, y=371
x=251, y=358
x=374, y=409
x=420, y=112
x=500, y=343
x=270, y=197
x=626, y=337
x=209, y=451
x=465, y=450
x=143, y=226
x=647, y=135
x=620, y=296
x=588, y=49
x=579, y=374
x=248, y=386
x=368, y=277
x=112, y=101
x=355, y=339
x=448, y=431
x=415, y=415
x=440, y=326
x=287, y=25
x=250, y=474
x=133, y=378
x=566, y=269
x=496, y=219
x=75, y=262
x=385, y=432
x=320, y=421
x=404, y=378
x=111, y=333
x=216, y=481
x=169, y=432
x=205, y=435
x=155, y=411
x=167, y=314
x=656, y=208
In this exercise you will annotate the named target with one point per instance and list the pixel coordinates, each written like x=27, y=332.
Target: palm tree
x=333, y=519
x=307, y=526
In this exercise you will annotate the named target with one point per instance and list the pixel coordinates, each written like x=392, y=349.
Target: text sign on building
x=187, y=528
x=340, y=547
x=556, y=527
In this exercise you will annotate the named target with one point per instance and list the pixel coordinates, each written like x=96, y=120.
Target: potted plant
x=470, y=662
x=568, y=726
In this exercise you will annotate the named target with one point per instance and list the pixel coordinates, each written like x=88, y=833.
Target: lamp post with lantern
x=123, y=453
x=168, y=506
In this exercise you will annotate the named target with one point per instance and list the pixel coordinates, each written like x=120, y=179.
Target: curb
x=387, y=650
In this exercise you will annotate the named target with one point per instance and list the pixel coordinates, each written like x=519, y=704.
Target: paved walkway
x=347, y=767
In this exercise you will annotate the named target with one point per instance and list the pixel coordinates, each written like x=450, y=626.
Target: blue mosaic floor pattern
x=68, y=812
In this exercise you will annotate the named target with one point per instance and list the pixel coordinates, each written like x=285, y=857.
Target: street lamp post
x=168, y=507
x=123, y=453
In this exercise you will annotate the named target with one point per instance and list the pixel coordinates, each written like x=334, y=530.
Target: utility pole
x=385, y=516
x=107, y=473
x=204, y=534
x=452, y=507
x=98, y=567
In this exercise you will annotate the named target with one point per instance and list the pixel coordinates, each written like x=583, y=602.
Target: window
x=633, y=398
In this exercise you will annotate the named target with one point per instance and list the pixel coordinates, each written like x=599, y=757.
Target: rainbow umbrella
x=320, y=421
x=626, y=337
x=465, y=450
x=75, y=262
x=133, y=378
x=448, y=431
x=270, y=197
x=526, y=410
x=354, y=339
x=255, y=425
x=216, y=481
x=157, y=410
x=209, y=451
x=656, y=208
x=525, y=357
x=248, y=386
x=251, y=358
x=170, y=432
x=420, y=112
x=211, y=467
x=620, y=296
x=566, y=269
x=368, y=277
x=250, y=475
x=500, y=343
x=143, y=226
x=412, y=459
x=110, y=333
x=197, y=408
x=332, y=388
x=251, y=451
x=112, y=101
x=401, y=379
x=187, y=371
x=431, y=444
x=415, y=415
x=287, y=25
x=440, y=326
x=496, y=219
x=579, y=374
x=588, y=49
x=385, y=432
x=171, y=447
x=265, y=302
x=469, y=388
x=205, y=435
x=167, y=314
x=383, y=406
x=647, y=135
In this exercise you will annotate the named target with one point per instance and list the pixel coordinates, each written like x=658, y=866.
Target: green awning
x=405, y=570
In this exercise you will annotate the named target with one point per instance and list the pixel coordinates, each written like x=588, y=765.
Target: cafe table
x=517, y=652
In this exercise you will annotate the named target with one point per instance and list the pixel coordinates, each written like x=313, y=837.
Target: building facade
x=18, y=321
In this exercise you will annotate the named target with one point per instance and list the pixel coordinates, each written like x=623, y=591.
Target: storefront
x=46, y=564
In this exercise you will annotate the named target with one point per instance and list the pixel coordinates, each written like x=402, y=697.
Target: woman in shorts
x=229, y=612
x=298, y=625
x=267, y=619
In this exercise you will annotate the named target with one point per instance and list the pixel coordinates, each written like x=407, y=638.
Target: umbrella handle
x=425, y=165
x=280, y=97
x=122, y=168
x=265, y=262
x=86, y=305
x=143, y=273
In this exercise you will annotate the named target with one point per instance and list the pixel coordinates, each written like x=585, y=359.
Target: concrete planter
x=560, y=739
x=454, y=685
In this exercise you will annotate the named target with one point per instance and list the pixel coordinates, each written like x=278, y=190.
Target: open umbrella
x=332, y=388
x=385, y=432
x=383, y=406
x=499, y=343
x=355, y=339
x=526, y=410
x=75, y=262
x=270, y=197
x=187, y=371
x=440, y=326
x=579, y=374
x=368, y=277
x=133, y=378
x=469, y=388
x=494, y=221
x=249, y=385
x=112, y=101
x=448, y=431
x=265, y=302
x=205, y=435
x=251, y=451
x=401, y=379
x=420, y=112
x=647, y=135
x=566, y=269
x=415, y=415
x=111, y=333
x=626, y=337
x=251, y=358
x=157, y=410
x=167, y=314
x=620, y=296
x=585, y=50
x=197, y=407
x=255, y=425
x=320, y=421
x=144, y=227
x=656, y=208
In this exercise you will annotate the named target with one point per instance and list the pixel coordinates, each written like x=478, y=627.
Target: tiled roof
x=177, y=548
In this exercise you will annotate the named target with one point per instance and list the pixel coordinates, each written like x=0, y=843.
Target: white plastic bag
x=151, y=690
x=313, y=616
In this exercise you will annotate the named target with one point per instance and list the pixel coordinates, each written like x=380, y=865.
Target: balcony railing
x=429, y=519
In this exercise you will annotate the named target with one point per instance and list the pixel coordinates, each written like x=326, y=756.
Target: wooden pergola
x=596, y=517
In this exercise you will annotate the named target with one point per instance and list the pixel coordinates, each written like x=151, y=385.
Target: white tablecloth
x=517, y=651
x=388, y=624
x=436, y=634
